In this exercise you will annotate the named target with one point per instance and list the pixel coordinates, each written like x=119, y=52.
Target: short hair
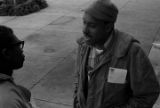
x=6, y=36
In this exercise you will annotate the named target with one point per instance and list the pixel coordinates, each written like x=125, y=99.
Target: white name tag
x=116, y=75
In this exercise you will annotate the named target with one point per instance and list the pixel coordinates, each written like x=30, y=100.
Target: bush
x=20, y=1
x=23, y=7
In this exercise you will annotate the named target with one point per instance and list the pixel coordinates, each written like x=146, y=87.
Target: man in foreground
x=11, y=58
x=112, y=70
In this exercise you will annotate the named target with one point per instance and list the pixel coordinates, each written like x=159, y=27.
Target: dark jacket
x=140, y=90
x=12, y=95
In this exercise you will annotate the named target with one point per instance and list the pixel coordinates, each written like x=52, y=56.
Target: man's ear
x=5, y=53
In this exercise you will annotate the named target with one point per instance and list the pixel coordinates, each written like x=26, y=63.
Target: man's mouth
x=87, y=36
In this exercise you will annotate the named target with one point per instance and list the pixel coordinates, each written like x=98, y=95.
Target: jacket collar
x=5, y=77
x=122, y=43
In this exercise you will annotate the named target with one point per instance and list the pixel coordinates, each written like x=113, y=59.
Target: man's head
x=99, y=19
x=11, y=49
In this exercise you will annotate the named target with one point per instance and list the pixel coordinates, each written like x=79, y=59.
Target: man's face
x=94, y=31
x=15, y=56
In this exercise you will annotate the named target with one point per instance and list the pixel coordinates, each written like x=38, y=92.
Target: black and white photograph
x=79, y=53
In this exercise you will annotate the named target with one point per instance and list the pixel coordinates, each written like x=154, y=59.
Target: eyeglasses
x=18, y=44
x=21, y=44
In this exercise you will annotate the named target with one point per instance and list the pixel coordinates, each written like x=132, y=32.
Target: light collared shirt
x=96, y=55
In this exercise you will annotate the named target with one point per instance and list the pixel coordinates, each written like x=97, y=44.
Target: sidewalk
x=50, y=44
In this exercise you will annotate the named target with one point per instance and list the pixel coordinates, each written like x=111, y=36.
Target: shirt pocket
x=115, y=93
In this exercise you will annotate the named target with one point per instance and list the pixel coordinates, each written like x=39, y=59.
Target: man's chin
x=90, y=43
x=17, y=67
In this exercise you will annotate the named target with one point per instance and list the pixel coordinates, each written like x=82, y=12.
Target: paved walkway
x=50, y=44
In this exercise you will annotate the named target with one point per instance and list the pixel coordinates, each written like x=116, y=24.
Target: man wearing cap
x=11, y=58
x=112, y=70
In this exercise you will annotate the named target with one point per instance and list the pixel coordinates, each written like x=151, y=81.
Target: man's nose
x=21, y=50
x=85, y=29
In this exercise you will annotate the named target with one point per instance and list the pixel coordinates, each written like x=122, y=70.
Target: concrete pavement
x=50, y=44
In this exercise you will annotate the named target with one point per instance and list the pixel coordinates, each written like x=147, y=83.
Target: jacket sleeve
x=142, y=79
x=15, y=96
x=14, y=103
